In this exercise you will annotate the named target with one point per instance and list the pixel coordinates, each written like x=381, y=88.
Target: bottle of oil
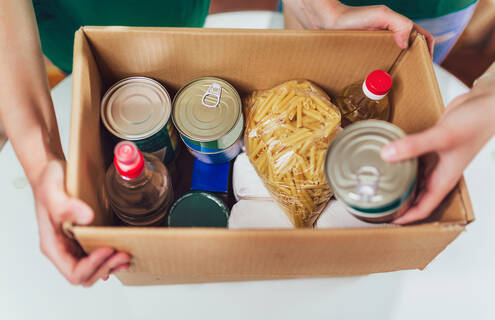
x=367, y=99
x=138, y=187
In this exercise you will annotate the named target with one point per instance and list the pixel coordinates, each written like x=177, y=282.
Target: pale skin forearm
x=483, y=92
x=486, y=81
x=291, y=21
x=26, y=109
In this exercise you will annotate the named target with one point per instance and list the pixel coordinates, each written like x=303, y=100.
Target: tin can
x=207, y=112
x=198, y=209
x=371, y=189
x=139, y=109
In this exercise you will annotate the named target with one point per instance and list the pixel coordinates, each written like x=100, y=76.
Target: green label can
x=207, y=112
x=371, y=189
x=139, y=109
x=198, y=209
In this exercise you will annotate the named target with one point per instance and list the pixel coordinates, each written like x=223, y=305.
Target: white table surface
x=458, y=284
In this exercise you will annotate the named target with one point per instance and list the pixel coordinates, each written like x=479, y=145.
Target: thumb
x=401, y=33
x=77, y=212
x=397, y=23
x=411, y=146
x=61, y=207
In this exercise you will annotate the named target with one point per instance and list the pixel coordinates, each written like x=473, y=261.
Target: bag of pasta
x=288, y=131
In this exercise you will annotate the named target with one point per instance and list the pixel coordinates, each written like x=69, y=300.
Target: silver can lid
x=206, y=109
x=356, y=172
x=135, y=108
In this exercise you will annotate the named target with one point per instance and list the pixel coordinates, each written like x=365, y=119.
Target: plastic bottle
x=367, y=99
x=138, y=187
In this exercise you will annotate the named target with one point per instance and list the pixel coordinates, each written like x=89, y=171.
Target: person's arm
x=331, y=14
x=449, y=146
x=27, y=114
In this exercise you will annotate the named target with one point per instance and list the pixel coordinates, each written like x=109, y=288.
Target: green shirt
x=59, y=19
x=417, y=9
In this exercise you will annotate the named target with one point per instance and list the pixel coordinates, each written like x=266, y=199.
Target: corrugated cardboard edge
x=84, y=66
x=418, y=39
x=75, y=126
x=466, y=199
x=201, y=31
x=134, y=278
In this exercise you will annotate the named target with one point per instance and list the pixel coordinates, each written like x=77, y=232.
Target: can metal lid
x=206, y=109
x=135, y=108
x=198, y=209
x=356, y=172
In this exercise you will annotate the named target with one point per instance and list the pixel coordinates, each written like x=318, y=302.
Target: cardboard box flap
x=466, y=200
x=415, y=84
x=198, y=255
x=85, y=143
x=455, y=208
x=250, y=59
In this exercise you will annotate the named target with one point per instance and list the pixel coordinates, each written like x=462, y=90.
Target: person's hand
x=331, y=14
x=53, y=208
x=28, y=116
x=448, y=147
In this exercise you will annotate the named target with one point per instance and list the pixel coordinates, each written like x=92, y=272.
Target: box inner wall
x=253, y=60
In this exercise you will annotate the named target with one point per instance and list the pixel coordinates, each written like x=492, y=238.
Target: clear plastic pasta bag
x=288, y=131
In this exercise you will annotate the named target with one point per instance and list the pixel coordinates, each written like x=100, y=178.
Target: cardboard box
x=251, y=59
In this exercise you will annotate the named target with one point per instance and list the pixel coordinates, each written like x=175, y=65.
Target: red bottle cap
x=128, y=160
x=378, y=82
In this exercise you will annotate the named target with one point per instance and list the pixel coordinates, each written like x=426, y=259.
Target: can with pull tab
x=371, y=189
x=207, y=112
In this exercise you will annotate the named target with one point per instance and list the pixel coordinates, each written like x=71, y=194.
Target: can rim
x=374, y=124
x=159, y=126
x=388, y=208
x=239, y=126
x=181, y=90
x=212, y=153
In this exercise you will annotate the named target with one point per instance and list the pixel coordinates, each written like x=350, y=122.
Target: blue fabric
x=446, y=30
